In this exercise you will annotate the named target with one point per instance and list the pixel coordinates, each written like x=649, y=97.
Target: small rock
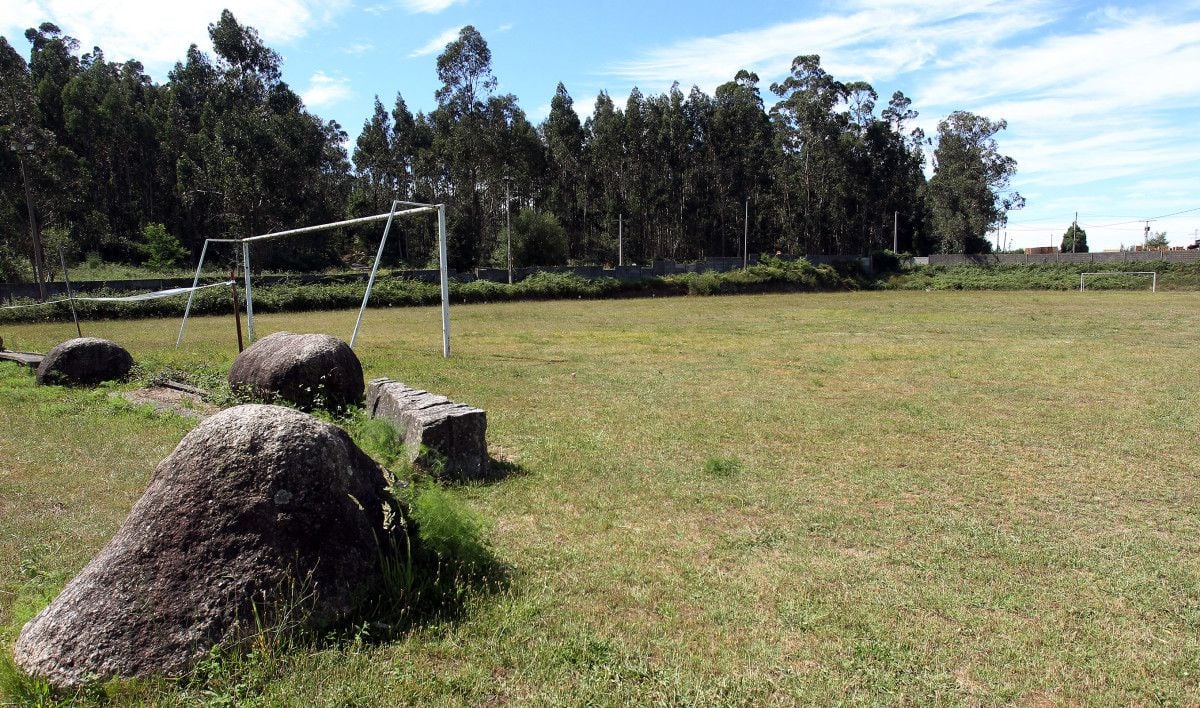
x=307, y=370
x=85, y=361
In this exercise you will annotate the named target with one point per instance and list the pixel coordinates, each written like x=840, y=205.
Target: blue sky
x=1102, y=100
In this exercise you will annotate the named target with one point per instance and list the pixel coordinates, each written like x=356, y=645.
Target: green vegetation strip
x=770, y=275
x=899, y=497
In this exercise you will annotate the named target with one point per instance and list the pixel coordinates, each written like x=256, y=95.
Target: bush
x=885, y=262
x=161, y=250
x=538, y=239
x=1042, y=276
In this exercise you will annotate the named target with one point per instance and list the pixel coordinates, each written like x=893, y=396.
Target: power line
x=1034, y=225
x=1139, y=221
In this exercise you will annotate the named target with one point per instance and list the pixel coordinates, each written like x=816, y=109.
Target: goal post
x=1152, y=273
x=413, y=209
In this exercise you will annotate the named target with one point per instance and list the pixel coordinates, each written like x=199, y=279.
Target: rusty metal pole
x=237, y=315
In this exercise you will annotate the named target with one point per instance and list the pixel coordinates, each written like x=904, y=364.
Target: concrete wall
x=1192, y=256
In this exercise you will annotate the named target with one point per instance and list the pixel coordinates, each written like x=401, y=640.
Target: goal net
x=409, y=209
x=1116, y=273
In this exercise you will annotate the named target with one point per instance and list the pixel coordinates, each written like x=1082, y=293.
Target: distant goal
x=1111, y=273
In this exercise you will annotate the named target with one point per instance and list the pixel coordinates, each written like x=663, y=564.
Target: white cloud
x=158, y=33
x=428, y=6
x=324, y=90
x=358, y=48
x=505, y=27
x=876, y=41
x=436, y=44
x=1096, y=102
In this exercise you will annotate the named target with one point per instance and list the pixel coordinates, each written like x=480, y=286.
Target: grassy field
x=962, y=498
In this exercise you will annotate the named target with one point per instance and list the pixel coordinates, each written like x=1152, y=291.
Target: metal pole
x=508, y=227
x=249, y=293
x=445, y=276
x=70, y=298
x=746, y=235
x=334, y=224
x=192, y=294
x=896, y=232
x=374, y=270
x=620, y=239
x=1081, y=282
x=237, y=318
x=1154, y=283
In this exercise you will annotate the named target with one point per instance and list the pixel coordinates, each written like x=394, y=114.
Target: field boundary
x=985, y=259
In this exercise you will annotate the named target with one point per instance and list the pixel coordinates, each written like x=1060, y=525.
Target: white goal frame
x=1153, y=281
x=413, y=209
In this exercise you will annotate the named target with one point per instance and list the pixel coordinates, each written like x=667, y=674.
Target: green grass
x=965, y=498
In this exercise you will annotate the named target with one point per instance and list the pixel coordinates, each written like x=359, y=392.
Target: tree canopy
x=1074, y=239
x=969, y=190
x=95, y=152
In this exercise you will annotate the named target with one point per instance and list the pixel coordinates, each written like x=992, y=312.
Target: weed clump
x=716, y=466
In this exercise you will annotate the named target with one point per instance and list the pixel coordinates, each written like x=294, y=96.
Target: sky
x=1102, y=101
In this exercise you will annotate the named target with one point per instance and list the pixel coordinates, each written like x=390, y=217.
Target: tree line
x=100, y=160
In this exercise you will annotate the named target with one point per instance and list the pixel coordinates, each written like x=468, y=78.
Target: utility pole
x=1074, y=231
x=620, y=239
x=895, y=232
x=746, y=235
x=508, y=226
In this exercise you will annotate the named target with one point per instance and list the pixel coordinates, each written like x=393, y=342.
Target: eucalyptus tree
x=969, y=191
x=251, y=159
x=566, y=193
x=460, y=143
x=376, y=184
x=740, y=133
x=812, y=171
x=109, y=123
x=26, y=183
x=606, y=165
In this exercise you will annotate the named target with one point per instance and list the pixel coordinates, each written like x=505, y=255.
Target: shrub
x=161, y=250
x=538, y=239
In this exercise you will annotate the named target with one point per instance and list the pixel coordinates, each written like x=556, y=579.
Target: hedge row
x=1049, y=276
x=770, y=275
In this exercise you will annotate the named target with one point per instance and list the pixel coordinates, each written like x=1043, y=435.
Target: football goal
x=410, y=209
x=1108, y=273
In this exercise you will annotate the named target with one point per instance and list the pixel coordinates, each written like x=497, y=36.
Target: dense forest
x=100, y=160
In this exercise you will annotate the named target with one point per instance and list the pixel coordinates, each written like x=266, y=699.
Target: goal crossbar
x=1153, y=273
x=389, y=217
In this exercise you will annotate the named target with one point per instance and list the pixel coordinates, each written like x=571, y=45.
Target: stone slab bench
x=428, y=423
x=29, y=359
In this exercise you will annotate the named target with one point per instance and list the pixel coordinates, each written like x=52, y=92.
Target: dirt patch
x=169, y=400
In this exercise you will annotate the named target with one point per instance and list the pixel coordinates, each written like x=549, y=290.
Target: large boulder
x=85, y=361
x=260, y=509
x=439, y=434
x=307, y=370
